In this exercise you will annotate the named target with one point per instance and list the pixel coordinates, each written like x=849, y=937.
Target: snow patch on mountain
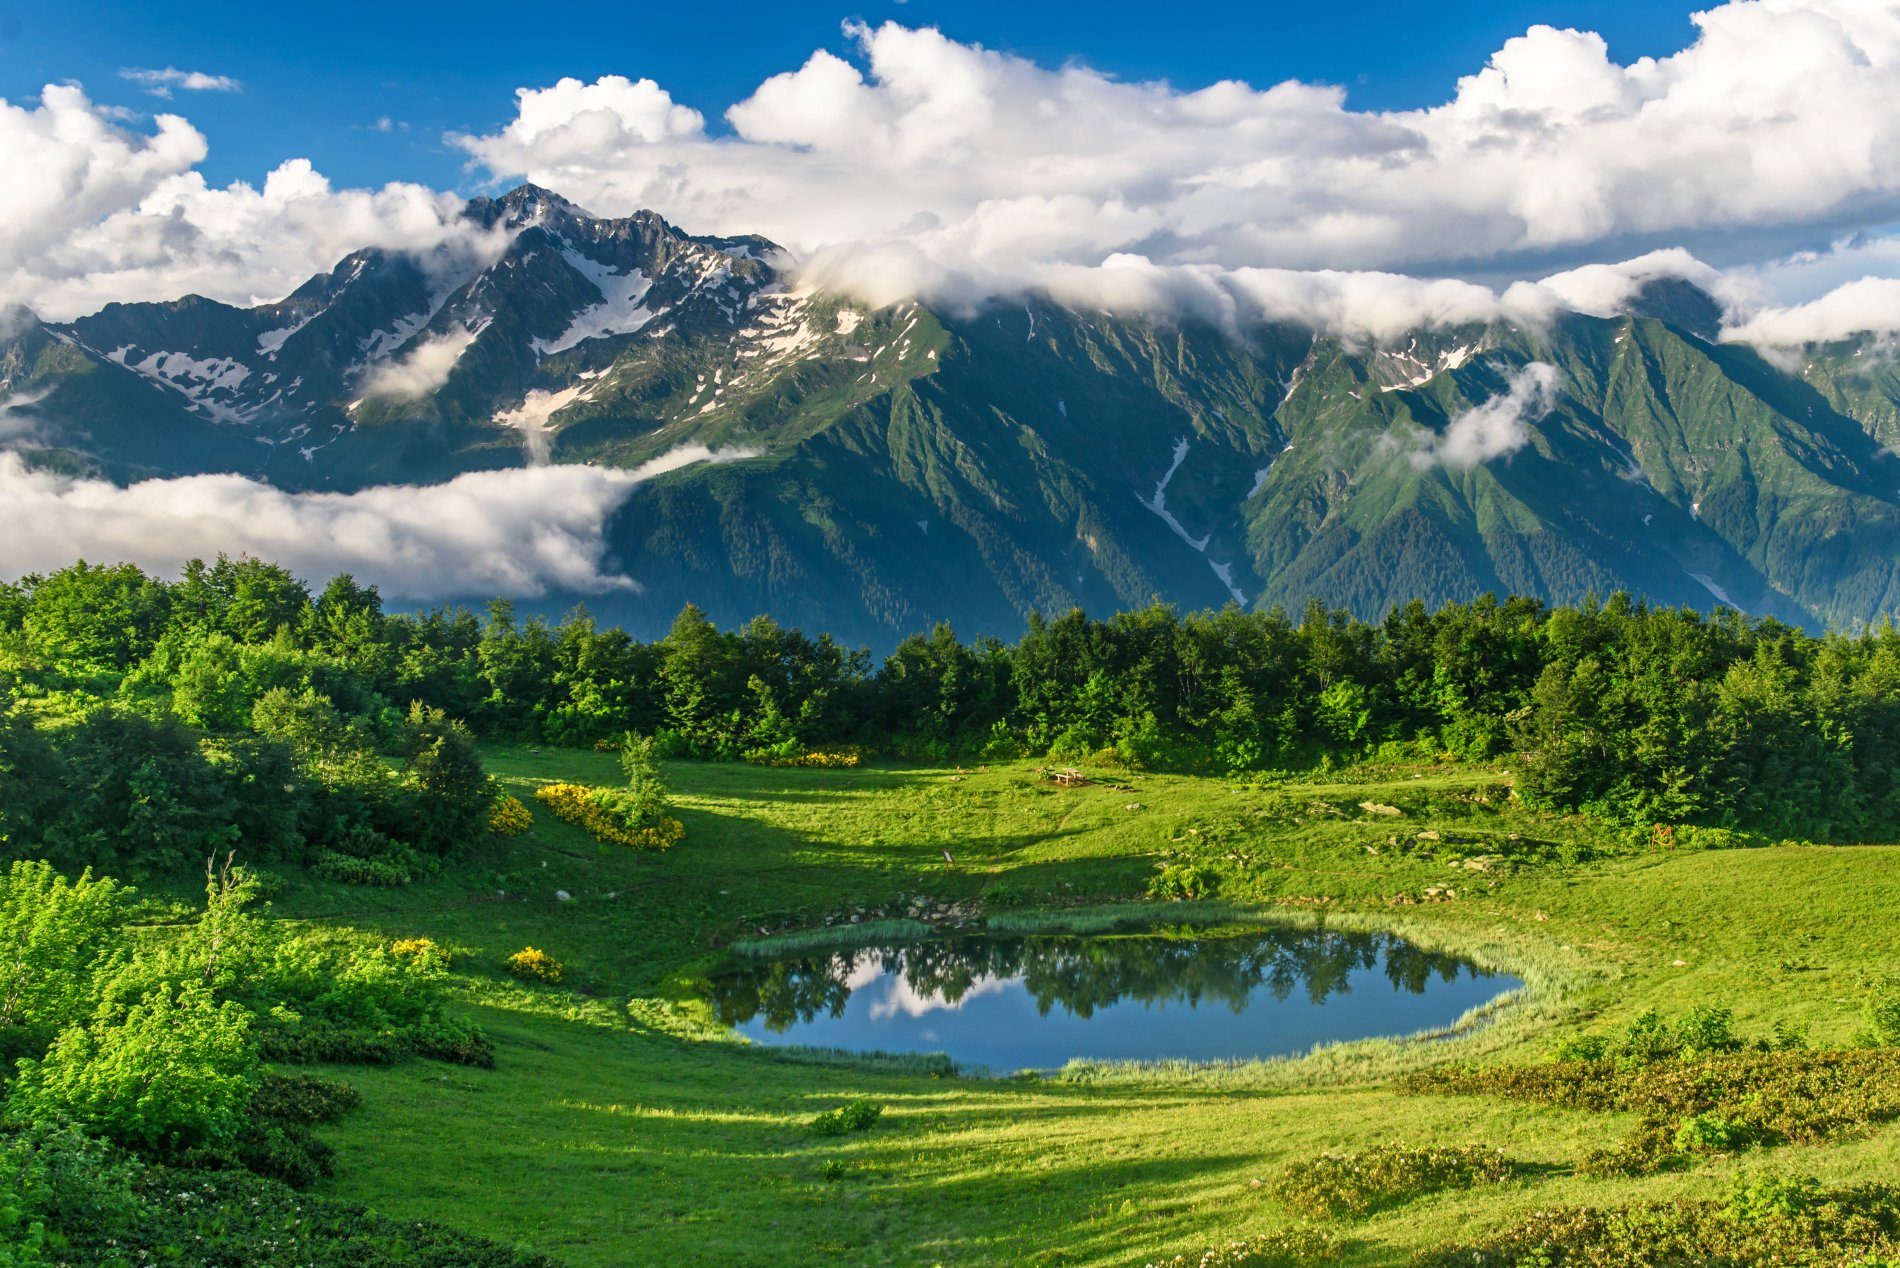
x=1158, y=503
x=199, y=380
x=1721, y=595
x=619, y=312
x=272, y=341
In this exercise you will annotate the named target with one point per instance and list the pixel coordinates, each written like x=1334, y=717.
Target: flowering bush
x=842, y=759
x=508, y=817
x=423, y=952
x=612, y=816
x=529, y=963
x=853, y=1116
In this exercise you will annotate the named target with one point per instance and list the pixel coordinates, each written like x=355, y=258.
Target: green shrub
x=853, y=1116
x=1335, y=1186
x=1650, y=1037
x=1183, y=882
x=1284, y=1249
x=1773, y=1221
x=1752, y=1200
x=457, y=1042
x=339, y=1045
x=285, y=1152
x=197, y=1219
x=347, y=869
x=1880, y=1018
x=1712, y=1134
x=1793, y=1096
x=171, y=1071
x=303, y=1098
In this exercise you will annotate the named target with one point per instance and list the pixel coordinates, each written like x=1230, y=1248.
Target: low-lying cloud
x=519, y=533
x=420, y=371
x=1498, y=427
x=1870, y=306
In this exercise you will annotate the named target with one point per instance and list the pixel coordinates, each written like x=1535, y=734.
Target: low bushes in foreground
x=1763, y=1220
x=1717, y=1103
x=1348, y=1186
x=1282, y=1249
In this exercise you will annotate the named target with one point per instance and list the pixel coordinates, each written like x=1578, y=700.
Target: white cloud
x=17, y=416
x=921, y=166
x=1604, y=290
x=937, y=162
x=1870, y=306
x=1498, y=427
x=160, y=83
x=99, y=212
x=422, y=371
x=521, y=532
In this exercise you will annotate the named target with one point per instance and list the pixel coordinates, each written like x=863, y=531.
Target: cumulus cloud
x=1498, y=427
x=160, y=83
x=422, y=370
x=521, y=532
x=99, y=212
x=919, y=166
x=939, y=161
x=1870, y=306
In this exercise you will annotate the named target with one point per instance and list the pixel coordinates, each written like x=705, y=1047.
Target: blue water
x=1035, y=1003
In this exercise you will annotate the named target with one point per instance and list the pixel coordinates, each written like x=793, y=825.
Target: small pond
x=1036, y=1002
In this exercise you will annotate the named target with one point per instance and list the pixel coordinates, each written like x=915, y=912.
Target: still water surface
x=1035, y=1003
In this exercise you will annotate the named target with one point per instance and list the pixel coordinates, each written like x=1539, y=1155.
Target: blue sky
x=316, y=78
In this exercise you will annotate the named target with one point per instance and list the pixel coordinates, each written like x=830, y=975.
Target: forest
x=148, y=724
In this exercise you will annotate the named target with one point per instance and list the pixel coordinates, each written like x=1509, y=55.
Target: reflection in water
x=1024, y=1000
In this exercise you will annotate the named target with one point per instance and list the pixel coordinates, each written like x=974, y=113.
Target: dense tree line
x=153, y=720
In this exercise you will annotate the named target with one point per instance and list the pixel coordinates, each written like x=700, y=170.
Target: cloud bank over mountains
x=931, y=168
x=522, y=532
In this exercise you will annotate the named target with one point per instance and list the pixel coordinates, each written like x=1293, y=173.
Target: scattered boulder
x=1377, y=808
x=561, y=895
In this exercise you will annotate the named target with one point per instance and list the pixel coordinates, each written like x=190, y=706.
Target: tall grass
x=833, y=937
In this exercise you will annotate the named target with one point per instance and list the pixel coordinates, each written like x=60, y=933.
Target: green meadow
x=620, y=1125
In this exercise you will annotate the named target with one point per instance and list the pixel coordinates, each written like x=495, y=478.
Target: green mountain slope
x=904, y=465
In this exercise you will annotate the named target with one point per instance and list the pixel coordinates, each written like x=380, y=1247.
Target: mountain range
x=900, y=465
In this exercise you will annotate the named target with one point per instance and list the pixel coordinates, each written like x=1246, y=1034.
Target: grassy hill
x=619, y=1126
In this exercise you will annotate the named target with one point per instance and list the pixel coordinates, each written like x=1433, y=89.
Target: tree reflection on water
x=1082, y=974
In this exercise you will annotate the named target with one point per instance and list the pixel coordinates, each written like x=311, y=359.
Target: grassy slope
x=617, y=1135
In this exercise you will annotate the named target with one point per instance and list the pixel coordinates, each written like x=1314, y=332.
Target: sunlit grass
x=622, y=1126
